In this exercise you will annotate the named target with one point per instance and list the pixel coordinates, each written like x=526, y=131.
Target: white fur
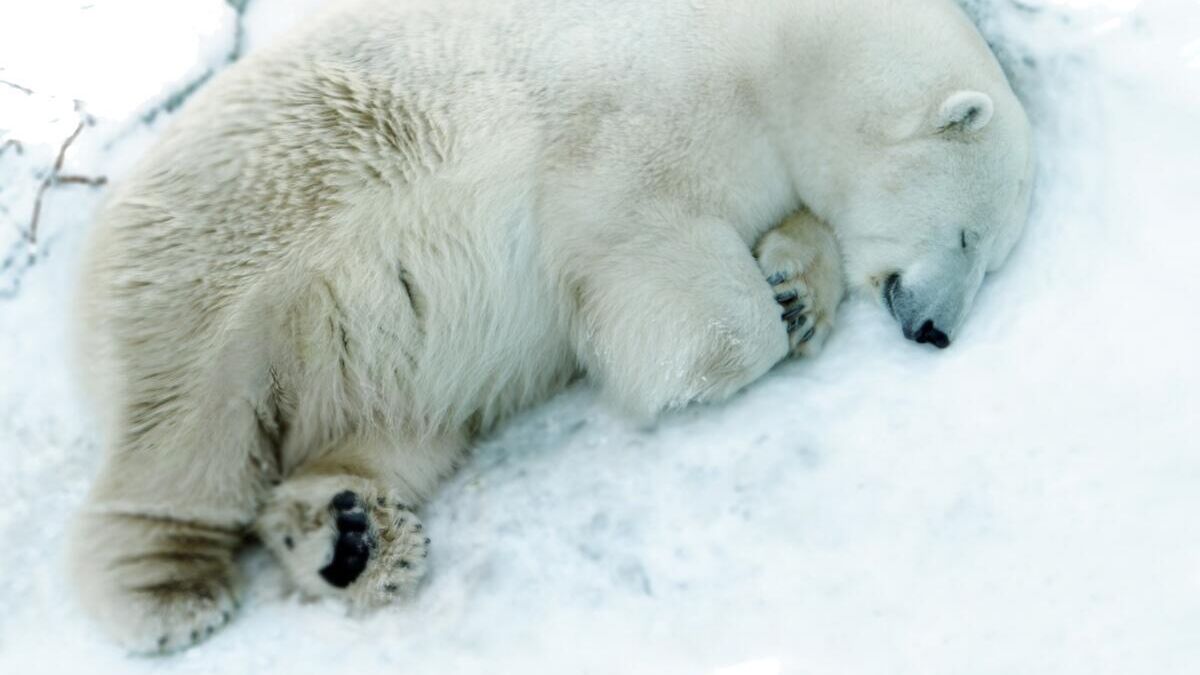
x=358, y=249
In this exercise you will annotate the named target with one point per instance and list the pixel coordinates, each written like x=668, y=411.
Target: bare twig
x=14, y=144
x=55, y=177
x=81, y=180
x=16, y=260
x=24, y=90
x=183, y=93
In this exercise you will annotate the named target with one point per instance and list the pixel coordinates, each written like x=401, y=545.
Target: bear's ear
x=967, y=111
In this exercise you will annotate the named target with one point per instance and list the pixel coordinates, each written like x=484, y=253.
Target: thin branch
x=24, y=90
x=55, y=176
x=62, y=151
x=81, y=180
x=173, y=102
x=185, y=92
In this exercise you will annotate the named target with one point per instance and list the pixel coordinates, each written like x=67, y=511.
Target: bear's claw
x=797, y=317
x=801, y=263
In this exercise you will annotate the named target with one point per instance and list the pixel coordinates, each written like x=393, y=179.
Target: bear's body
x=355, y=251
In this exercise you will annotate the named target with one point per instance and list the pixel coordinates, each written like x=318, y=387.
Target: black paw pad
x=354, y=542
x=350, y=557
x=344, y=501
x=355, y=521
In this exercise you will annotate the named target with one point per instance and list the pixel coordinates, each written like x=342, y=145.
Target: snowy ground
x=1023, y=503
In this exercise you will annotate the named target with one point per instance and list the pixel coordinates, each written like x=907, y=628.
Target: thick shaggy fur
x=357, y=250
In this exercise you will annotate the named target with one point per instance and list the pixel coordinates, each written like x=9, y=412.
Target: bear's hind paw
x=361, y=545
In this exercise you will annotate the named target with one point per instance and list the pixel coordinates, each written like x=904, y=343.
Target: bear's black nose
x=928, y=333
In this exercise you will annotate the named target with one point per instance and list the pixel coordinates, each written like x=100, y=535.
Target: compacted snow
x=1025, y=502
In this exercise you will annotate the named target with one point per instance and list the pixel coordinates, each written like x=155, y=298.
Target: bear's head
x=907, y=139
x=940, y=200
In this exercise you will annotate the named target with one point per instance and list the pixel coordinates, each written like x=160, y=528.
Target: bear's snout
x=914, y=322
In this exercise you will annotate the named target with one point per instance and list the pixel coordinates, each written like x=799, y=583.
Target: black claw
x=777, y=278
x=809, y=335
x=784, y=298
x=794, y=312
x=418, y=527
x=289, y=542
x=391, y=588
x=403, y=564
x=381, y=501
x=798, y=323
x=345, y=500
x=162, y=642
x=427, y=540
x=195, y=636
x=225, y=617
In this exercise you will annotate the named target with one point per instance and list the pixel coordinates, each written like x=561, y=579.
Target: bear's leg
x=801, y=261
x=153, y=549
x=344, y=525
x=156, y=584
x=674, y=314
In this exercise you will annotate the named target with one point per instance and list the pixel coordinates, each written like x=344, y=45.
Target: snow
x=1021, y=503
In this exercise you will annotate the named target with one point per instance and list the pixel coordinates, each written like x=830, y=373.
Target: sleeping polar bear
x=356, y=251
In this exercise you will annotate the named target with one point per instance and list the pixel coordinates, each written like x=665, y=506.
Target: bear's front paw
x=801, y=262
x=362, y=545
x=807, y=324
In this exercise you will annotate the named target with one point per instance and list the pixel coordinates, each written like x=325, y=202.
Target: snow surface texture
x=1025, y=502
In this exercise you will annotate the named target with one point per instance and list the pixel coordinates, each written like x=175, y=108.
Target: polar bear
x=359, y=249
